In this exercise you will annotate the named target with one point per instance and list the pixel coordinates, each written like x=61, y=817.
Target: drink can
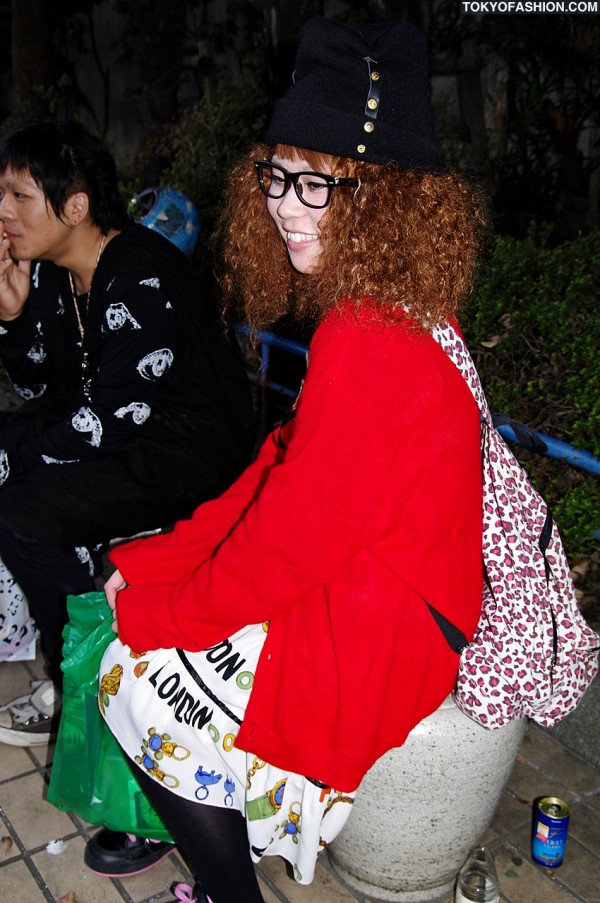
x=550, y=832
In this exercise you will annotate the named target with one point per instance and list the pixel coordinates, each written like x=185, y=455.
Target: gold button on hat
x=360, y=83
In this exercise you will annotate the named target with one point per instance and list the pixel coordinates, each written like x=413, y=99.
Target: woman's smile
x=298, y=224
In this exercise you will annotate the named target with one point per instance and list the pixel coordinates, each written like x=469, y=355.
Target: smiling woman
x=314, y=567
x=296, y=219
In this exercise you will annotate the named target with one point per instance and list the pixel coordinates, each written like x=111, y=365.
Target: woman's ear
x=76, y=208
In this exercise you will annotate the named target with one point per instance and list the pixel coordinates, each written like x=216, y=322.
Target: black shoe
x=115, y=854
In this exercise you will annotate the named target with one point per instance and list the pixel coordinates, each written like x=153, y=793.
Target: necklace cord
x=86, y=379
x=89, y=292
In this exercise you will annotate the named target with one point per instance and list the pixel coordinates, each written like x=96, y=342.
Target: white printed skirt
x=177, y=714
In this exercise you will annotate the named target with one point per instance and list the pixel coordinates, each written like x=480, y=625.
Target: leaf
x=491, y=343
x=6, y=844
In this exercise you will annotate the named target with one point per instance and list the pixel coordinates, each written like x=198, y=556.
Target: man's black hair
x=63, y=157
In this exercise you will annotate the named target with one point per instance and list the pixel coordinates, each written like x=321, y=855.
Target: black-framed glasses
x=312, y=188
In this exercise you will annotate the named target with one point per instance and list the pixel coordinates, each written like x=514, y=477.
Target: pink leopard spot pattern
x=533, y=654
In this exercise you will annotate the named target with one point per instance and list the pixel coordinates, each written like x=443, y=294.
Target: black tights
x=213, y=842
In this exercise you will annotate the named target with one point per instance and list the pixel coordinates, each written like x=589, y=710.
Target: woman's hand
x=113, y=585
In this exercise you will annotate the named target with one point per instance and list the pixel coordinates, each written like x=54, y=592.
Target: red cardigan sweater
x=336, y=540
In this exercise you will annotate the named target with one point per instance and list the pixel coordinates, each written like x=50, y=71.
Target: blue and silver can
x=550, y=832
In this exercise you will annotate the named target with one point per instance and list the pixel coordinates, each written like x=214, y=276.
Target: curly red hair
x=402, y=238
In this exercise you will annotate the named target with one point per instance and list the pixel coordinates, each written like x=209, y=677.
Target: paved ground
x=558, y=762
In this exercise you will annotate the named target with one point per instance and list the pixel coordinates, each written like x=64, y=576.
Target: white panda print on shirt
x=37, y=352
x=138, y=410
x=117, y=315
x=84, y=556
x=4, y=466
x=29, y=392
x=152, y=282
x=154, y=365
x=85, y=421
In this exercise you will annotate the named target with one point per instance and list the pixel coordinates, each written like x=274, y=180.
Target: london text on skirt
x=177, y=714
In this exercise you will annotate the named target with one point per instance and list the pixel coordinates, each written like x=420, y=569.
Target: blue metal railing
x=262, y=378
x=555, y=448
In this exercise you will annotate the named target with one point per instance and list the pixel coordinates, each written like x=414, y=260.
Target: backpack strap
x=454, y=637
x=453, y=344
x=451, y=341
x=526, y=437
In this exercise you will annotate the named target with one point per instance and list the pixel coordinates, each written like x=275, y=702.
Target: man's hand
x=14, y=282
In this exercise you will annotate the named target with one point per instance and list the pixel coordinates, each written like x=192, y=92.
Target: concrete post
x=422, y=807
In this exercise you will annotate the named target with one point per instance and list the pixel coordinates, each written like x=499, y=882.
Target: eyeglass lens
x=312, y=189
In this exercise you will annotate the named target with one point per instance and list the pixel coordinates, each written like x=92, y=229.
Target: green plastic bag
x=90, y=775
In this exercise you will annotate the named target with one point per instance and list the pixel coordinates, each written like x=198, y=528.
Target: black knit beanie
x=360, y=92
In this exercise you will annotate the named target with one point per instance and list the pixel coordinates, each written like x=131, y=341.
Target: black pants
x=47, y=573
x=213, y=842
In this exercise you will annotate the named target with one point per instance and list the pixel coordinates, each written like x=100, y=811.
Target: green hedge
x=534, y=331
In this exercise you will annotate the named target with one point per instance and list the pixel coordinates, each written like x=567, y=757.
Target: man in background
x=136, y=404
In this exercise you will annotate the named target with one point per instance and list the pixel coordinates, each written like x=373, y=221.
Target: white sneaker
x=31, y=720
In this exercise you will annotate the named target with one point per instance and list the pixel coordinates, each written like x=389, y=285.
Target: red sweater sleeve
x=312, y=512
x=169, y=556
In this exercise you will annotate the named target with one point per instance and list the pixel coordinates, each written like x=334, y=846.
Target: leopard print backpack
x=533, y=654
